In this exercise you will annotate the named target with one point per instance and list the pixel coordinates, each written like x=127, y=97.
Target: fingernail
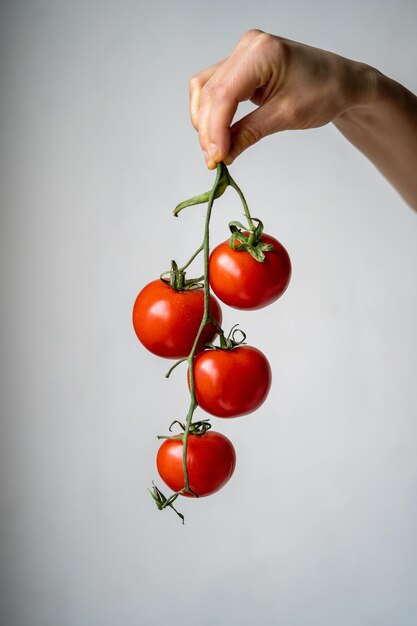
x=211, y=164
x=229, y=159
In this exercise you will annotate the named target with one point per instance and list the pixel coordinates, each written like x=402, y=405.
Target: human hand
x=295, y=87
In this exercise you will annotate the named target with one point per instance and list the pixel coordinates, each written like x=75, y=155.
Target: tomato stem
x=196, y=253
x=235, y=186
x=204, y=321
x=171, y=369
x=222, y=181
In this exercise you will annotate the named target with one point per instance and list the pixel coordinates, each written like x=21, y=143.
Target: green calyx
x=249, y=239
x=162, y=502
x=177, y=279
x=231, y=341
x=195, y=428
x=199, y=428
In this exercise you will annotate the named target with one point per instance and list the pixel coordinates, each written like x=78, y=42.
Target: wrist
x=371, y=99
x=361, y=86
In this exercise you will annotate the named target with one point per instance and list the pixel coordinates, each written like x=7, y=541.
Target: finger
x=238, y=78
x=198, y=81
x=196, y=84
x=214, y=127
x=219, y=99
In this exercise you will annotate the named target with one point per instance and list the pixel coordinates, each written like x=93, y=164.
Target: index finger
x=197, y=83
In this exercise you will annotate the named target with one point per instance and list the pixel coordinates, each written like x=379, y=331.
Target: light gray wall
x=318, y=525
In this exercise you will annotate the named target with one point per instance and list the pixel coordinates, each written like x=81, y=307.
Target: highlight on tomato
x=231, y=382
x=250, y=270
x=166, y=320
x=211, y=461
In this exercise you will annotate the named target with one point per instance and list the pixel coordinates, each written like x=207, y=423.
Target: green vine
x=249, y=239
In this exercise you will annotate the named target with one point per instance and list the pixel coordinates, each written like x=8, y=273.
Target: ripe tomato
x=166, y=321
x=211, y=461
x=229, y=383
x=244, y=283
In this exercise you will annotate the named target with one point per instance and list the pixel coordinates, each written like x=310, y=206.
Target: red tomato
x=211, y=461
x=166, y=321
x=229, y=383
x=244, y=283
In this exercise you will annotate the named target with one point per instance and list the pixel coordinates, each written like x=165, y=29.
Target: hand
x=295, y=86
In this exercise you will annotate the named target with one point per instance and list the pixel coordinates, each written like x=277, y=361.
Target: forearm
x=385, y=130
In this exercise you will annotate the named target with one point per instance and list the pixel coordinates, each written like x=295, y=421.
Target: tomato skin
x=230, y=383
x=166, y=321
x=241, y=282
x=211, y=460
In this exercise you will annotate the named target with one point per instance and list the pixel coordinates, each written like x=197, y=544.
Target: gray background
x=318, y=525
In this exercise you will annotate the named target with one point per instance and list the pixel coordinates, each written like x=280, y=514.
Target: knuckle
x=250, y=135
x=195, y=82
x=267, y=45
x=249, y=35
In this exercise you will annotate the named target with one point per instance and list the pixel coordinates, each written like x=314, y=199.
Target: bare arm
x=386, y=132
x=295, y=87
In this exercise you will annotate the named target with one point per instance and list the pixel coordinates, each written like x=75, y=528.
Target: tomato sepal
x=249, y=239
x=229, y=342
x=162, y=502
x=195, y=428
x=177, y=280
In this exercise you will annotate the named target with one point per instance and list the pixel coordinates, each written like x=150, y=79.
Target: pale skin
x=296, y=87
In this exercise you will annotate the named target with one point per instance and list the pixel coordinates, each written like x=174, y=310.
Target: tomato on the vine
x=229, y=383
x=211, y=461
x=242, y=282
x=166, y=321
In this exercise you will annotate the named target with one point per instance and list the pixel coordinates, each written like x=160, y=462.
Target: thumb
x=264, y=121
